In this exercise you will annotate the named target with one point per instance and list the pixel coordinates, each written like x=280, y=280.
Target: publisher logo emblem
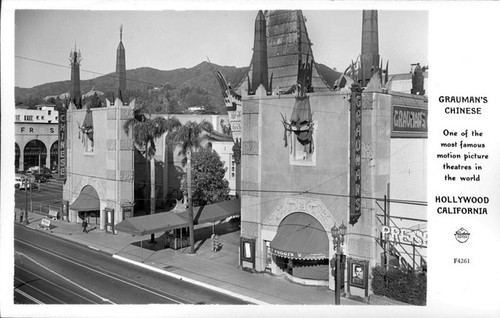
x=462, y=235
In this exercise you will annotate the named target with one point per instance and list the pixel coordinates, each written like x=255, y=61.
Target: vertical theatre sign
x=62, y=144
x=355, y=156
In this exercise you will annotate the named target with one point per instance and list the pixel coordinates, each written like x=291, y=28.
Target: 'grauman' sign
x=355, y=156
x=409, y=122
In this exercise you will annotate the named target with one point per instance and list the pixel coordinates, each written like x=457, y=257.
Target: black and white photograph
x=357, y=274
x=249, y=157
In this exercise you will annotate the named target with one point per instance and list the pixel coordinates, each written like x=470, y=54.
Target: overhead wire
x=265, y=103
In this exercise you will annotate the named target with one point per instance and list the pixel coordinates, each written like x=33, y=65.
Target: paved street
x=50, y=270
x=48, y=195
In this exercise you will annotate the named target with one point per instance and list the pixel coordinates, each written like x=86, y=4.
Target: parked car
x=32, y=169
x=19, y=183
x=39, y=177
x=24, y=182
x=43, y=171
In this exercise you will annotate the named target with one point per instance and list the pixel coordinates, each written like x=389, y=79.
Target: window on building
x=18, y=117
x=37, y=117
x=49, y=112
x=28, y=117
x=88, y=144
x=233, y=168
x=301, y=155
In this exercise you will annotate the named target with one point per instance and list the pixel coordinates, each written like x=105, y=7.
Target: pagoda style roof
x=288, y=44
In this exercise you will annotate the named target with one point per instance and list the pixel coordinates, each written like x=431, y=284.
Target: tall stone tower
x=75, y=93
x=370, y=57
x=259, y=59
x=122, y=92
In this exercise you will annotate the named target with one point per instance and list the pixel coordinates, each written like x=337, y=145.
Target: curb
x=192, y=281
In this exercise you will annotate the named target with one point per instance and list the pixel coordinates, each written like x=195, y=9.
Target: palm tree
x=144, y=132
x=189, y=137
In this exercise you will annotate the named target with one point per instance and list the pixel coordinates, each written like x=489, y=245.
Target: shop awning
x=300, y=236
x=214, y=212
x=87, y=200
x=161, y=222
x=153, y=223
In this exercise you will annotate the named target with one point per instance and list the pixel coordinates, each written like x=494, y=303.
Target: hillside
x=142, y=79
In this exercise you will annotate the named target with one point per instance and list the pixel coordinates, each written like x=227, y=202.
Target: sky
x=169, y=39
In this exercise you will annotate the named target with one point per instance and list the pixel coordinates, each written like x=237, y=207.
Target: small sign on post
x=53, y=214
x=45, y=224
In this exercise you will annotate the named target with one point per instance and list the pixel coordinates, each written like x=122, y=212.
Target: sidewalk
x=215, y=270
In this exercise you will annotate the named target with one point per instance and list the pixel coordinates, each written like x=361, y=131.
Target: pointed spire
x=259, y=59
x=121, y=71
x=369, y=46
x=75, y=93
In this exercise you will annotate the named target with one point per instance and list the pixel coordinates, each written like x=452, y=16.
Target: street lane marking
x=94, y=248
x=68, y=280
x=28, y=296
x=49, y=282
x=100, y=272
x=192, y=281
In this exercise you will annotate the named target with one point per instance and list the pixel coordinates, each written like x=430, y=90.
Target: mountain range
x=144, y=78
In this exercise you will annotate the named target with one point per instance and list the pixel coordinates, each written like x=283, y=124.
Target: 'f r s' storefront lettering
x=31, y=130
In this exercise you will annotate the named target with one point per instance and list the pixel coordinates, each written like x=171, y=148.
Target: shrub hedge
x=400, y=285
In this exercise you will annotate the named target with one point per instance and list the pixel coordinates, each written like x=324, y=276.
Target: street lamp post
x=338, y=234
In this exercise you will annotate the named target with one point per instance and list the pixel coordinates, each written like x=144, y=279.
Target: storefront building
x=36, y=137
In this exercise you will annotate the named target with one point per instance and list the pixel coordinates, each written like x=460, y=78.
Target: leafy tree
x=189, y=138
x=208, y=183
x=95, y=101
x=158, y=101
x=59, y=103
x=195, y=98
x=144, y=132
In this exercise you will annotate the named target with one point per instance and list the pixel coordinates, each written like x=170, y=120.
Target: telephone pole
x=25, y=221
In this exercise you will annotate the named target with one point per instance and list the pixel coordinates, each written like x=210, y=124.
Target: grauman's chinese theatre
x=97, y=159
x=315, y=156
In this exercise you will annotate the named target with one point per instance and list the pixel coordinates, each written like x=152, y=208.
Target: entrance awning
x=87, y=200
x=161, y=222
x=153, y=223
x=214, y=212
x=300, y=236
